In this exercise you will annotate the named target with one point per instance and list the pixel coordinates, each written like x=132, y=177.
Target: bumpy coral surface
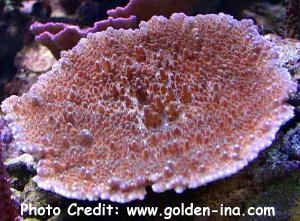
x=174, y=104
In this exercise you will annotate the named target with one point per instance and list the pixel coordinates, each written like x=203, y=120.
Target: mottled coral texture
x=8, y=211
x=174, y=104
x=292, y=18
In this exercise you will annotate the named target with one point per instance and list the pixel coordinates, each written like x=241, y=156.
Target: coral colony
x=175, y=104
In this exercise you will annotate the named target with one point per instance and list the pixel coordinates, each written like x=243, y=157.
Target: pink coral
x=175, y=104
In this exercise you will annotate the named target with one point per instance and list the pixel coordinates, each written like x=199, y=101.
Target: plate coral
x=175, y=104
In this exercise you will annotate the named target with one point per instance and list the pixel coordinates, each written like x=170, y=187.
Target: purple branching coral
x=8, y=210
x=60, y=36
